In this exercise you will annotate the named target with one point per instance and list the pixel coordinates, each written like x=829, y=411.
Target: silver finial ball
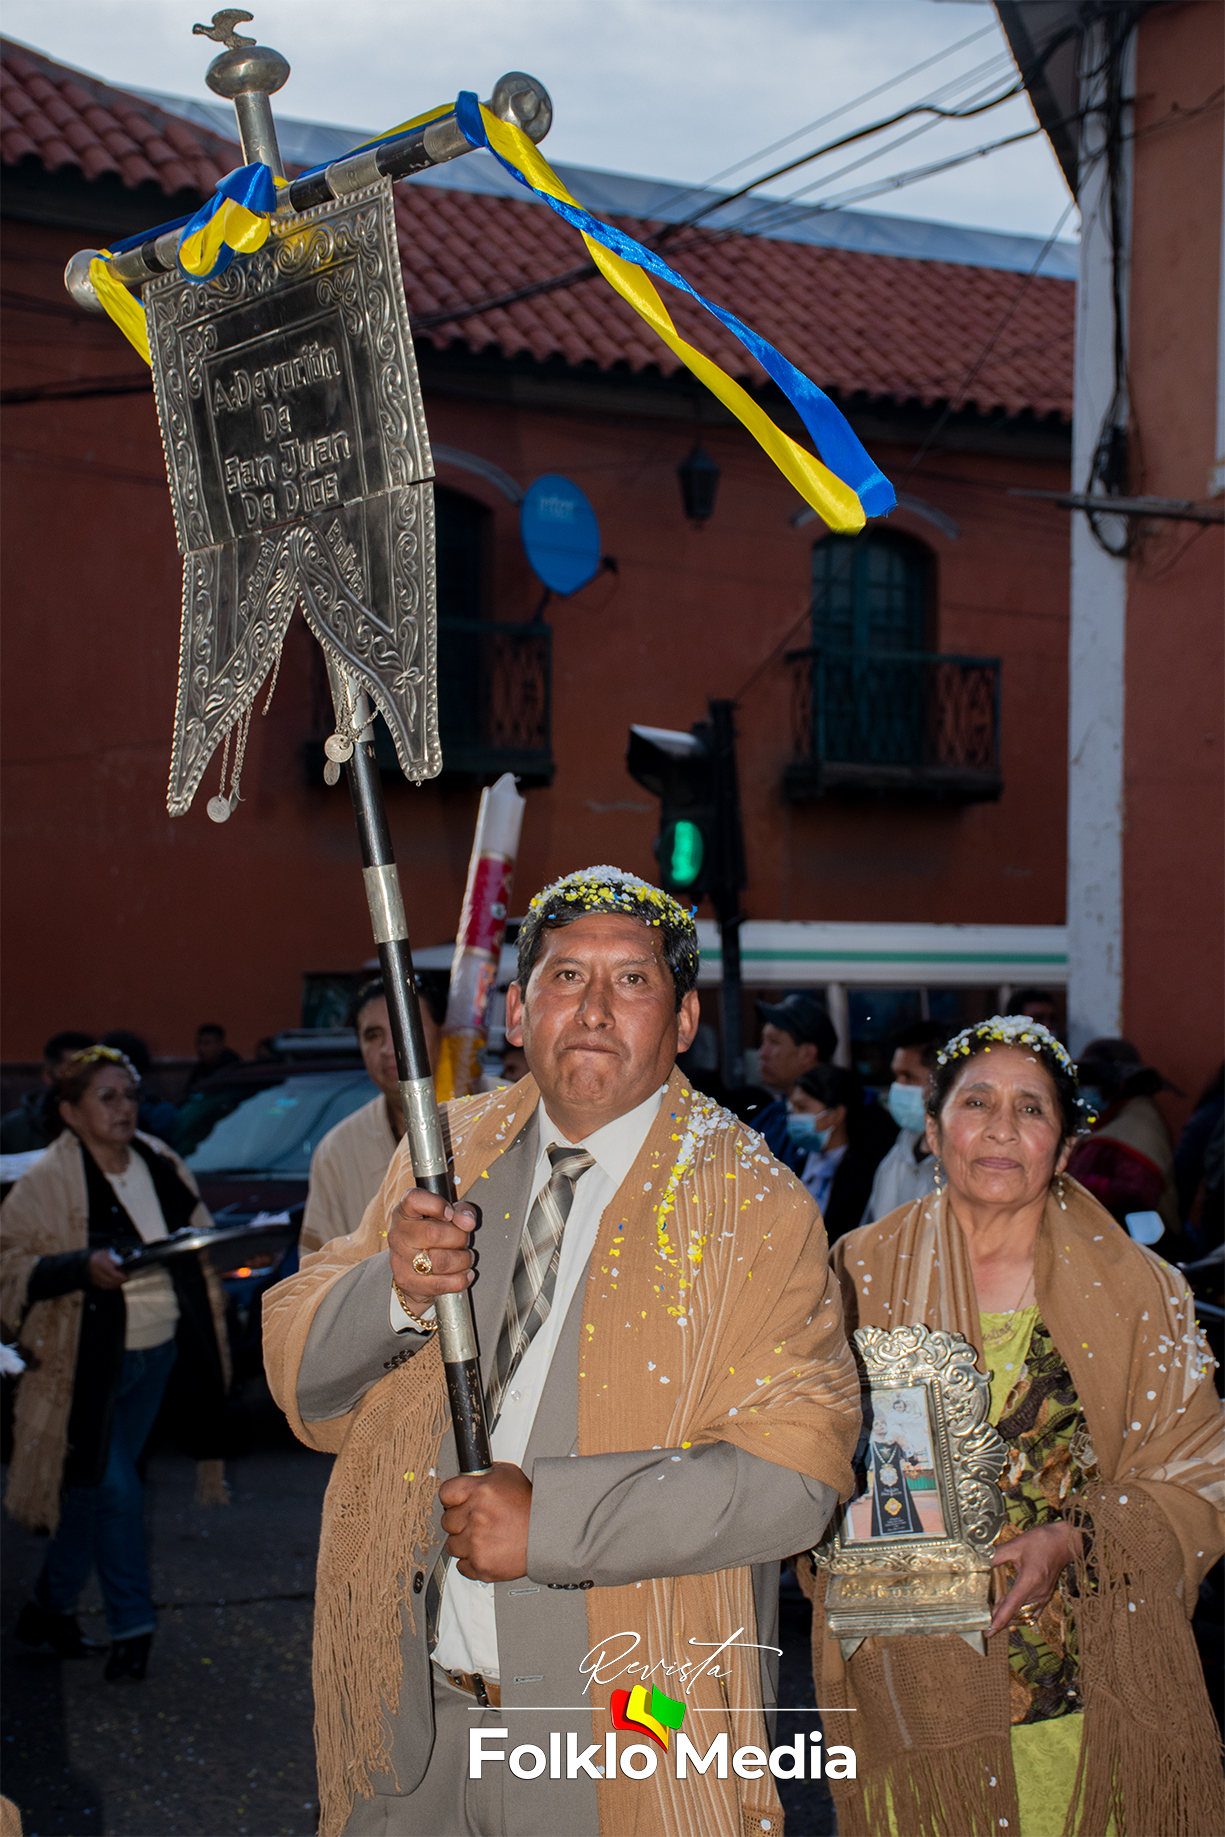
x=247, y=71
x=524, y=102
x=78, y=283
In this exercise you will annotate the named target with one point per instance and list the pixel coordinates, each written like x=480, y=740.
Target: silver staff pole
x=456, y=1331
x=248, y=74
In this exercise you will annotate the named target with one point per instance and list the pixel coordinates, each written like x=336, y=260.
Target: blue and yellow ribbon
x=846, y=490
x=123, y=307
x=234, y=221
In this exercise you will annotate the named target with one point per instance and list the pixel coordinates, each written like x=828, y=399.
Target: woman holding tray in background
x=100, y=1348
x=1101, y=1386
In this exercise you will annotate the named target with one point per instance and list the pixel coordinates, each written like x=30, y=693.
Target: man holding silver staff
x=660, y=1440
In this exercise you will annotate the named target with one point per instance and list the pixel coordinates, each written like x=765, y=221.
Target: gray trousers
x=448, y=1804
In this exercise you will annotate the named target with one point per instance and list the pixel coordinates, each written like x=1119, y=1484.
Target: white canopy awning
x=800, y=953
x=796, y=954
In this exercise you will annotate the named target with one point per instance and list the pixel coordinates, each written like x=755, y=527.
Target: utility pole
x=725, y=893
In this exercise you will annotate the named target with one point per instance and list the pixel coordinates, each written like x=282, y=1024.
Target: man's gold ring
x=1028, y=1615
x=422, y=1264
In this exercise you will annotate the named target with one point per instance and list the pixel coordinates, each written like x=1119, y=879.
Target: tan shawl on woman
x=932, y=1721
x=710, y=1314
x=46, y=1214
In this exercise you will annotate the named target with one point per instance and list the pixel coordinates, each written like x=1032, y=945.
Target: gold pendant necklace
x=998, y=1336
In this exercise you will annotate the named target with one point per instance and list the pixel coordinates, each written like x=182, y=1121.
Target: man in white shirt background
x=348, y=1166
x=908, y=1171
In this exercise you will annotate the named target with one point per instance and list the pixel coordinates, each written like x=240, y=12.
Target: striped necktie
x=535, y=1277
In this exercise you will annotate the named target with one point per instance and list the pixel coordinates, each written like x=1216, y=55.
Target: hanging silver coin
x=331, y=773
x=220, y=809
x=338, y=747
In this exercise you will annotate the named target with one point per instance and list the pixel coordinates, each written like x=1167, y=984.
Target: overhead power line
x=836, y=114
x=846, y=140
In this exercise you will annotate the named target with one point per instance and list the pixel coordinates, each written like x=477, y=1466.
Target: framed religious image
x=911, y=1550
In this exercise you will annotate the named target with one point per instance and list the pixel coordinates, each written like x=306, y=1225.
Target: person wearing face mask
x=796, y=1035
x=826, y=1120
x=907, y=1172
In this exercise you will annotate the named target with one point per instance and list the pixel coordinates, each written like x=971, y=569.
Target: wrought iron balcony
x=895, y=722
x=494, y=694
x=494, y=697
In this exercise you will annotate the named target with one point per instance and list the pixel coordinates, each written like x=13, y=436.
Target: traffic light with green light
x=682, y=854
x=699, y=847
x=676, y=768
x=700, y=843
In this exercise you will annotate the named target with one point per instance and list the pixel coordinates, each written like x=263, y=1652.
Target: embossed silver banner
x=300, y=471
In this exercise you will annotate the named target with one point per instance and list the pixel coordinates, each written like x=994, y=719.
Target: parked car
x=247, y=1135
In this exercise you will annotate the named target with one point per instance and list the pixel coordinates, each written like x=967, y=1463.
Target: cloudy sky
x=675, y=89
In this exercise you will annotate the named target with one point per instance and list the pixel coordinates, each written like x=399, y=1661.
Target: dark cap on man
x=806, y=1020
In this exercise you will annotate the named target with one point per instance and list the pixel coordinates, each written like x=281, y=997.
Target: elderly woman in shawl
x=101, y=1346
x=1089, y=1711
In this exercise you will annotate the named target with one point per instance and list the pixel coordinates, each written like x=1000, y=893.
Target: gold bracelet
x=418, y=1326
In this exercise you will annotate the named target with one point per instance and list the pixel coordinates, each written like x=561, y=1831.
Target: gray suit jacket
x=607, y=1519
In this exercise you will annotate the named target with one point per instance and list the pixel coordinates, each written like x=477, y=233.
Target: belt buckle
x=479, y=1691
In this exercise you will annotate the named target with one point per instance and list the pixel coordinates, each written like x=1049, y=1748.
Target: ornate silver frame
x=916, y=1582
x=300, y=473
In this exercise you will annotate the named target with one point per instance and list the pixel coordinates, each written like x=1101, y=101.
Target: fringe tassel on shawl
x=364, y=1580
x=921, y=1787
x=930, y=1732
x=1151, y=1758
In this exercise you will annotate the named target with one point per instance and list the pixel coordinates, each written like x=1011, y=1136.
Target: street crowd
x=993, y=1187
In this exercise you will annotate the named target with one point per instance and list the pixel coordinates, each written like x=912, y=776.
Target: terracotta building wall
x=118, y=915
x=1173, y=890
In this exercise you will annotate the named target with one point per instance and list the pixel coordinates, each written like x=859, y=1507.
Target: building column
x=1098, y=626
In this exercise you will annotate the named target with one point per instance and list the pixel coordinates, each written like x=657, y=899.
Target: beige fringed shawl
x=46, y=1214
x=932, y=1721
x=710, y=1314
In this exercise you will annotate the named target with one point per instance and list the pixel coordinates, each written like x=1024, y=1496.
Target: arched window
x=872, y=593
x=461, y=547
x=493, y=675
x=870, y=616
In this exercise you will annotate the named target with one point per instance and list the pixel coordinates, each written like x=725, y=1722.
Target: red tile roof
x=881, y=325
x=859, y=324
x=63, y=118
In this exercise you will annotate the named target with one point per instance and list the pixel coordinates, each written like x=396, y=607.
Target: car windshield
x=273, y=1130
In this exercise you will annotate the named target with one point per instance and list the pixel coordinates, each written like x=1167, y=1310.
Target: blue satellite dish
x=560, y=534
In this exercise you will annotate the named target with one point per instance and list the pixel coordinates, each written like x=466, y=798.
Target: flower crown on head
x=1007, y=1030
x=101, y=1055
x=611, y=889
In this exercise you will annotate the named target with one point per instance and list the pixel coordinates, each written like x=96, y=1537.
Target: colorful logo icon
x=632, y=1710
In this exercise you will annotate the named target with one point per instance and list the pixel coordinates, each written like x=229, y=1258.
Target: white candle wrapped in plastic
x=478, y=947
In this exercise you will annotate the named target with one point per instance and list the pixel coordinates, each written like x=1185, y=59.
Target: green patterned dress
x=1050, y=1457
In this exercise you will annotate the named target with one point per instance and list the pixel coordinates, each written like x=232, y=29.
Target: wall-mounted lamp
x=699, y=476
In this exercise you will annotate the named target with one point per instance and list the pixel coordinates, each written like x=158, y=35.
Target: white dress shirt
x=149, y=1298
x=467, y=1630
x=900, y=1178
